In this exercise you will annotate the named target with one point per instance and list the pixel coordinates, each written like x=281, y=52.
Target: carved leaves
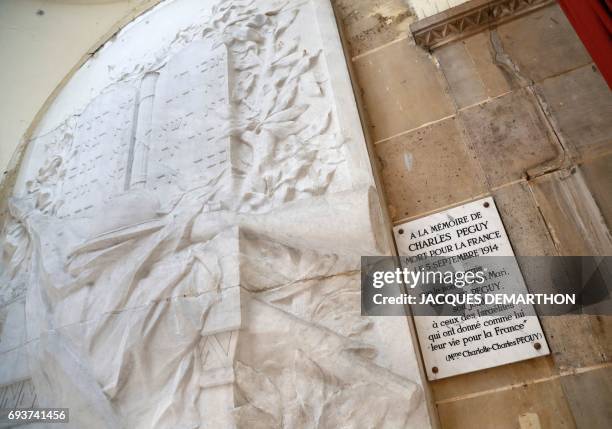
x=279, y=129
x=284, y=22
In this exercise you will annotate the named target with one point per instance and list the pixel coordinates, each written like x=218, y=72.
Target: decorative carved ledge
x=469, y=18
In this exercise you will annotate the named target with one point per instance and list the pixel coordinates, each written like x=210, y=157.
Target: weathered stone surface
x=543, y=44
x=494, y=77
x=572, y=215
x=186, y=232
x=581, y=105
x=427, y=169
x=523, y=221
x=472, y=17
x=470, y=70
x=568, y=336
x=590, y=397
x=369, y=24
x=573, y=219
x=402, y=89
x=598, y=177
x=493, y=378
x=510, y=137
x=460, y=71
x=501, y=409
x=579, y=341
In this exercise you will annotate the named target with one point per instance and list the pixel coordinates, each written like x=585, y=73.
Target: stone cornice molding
x=469, y=18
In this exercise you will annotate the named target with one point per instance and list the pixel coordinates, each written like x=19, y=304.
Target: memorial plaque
x=480, y=335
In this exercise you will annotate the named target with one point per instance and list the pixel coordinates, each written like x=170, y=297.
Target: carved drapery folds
x=185, y=244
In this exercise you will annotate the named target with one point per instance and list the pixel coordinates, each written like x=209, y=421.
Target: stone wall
x=518, y=111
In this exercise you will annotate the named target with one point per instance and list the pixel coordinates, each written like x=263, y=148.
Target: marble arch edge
x=182, y=246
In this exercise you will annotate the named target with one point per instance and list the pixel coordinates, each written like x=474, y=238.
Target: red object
x=592, y=20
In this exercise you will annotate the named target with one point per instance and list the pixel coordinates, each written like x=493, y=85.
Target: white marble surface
x=425, y=8
x=183, y=243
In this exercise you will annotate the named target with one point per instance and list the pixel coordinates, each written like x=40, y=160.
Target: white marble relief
x=424, y=8
x=184, y=239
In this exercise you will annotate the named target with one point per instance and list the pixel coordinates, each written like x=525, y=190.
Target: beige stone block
x=502, y=409
x=598, y=176
x=529, y=237
x=571, y=213
x=510, y=137
x=543, y=44
x=513, y=374
x=523, y=222
x=402, y=89
x=590, y=397
x=578, y=341
x=529, y=421
x=460, y=71
x=581, y=105
x=369, y=24
x=470, y=70
x=494, y=77
x=428, y=169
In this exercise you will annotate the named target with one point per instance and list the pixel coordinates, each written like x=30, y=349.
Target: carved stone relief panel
x=186, y=232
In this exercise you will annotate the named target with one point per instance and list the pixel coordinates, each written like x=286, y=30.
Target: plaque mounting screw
x=434, y=370
x=400, y=231
x=537, y=346
x=486, y=204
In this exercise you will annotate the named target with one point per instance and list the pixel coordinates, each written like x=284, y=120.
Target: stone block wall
x=518, y=111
